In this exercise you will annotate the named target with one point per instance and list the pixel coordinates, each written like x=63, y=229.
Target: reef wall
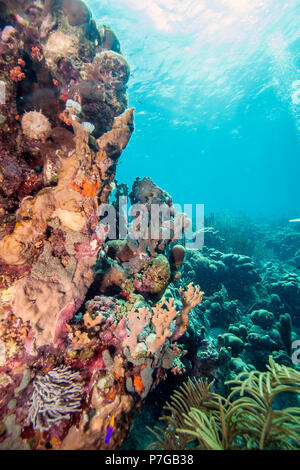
x=85, y=329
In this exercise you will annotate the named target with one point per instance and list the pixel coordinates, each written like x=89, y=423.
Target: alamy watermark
x=296, y=353
x=2, y=93
x=155, y=222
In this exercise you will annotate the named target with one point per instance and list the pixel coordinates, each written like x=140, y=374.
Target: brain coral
x=35, y=125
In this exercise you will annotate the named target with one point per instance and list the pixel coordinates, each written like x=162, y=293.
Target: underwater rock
x=213, y=239
x=262, y=336
x=287, y=287
x=199, y=266
x=284, y=242
x=233, y=342
x=76, y=11
x=262, y=318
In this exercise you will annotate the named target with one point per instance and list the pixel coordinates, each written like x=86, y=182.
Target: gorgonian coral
x=55, y=395
x=247, y=419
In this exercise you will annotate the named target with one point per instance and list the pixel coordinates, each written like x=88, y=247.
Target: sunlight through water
x=222, y=79
x=201, y=52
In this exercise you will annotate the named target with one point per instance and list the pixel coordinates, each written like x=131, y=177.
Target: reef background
x=249, y=272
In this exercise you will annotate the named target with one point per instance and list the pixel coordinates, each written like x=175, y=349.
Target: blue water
x=216, y=87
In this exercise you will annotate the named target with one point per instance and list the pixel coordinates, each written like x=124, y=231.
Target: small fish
x=125, y=294
x=109, y=430
x=294, y=220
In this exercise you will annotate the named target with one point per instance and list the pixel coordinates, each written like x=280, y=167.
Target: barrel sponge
x=35, y=125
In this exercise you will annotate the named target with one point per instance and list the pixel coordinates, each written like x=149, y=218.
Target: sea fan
x=55, y=395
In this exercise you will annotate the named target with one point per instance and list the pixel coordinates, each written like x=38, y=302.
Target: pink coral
x=137, y=322
x=163, y=315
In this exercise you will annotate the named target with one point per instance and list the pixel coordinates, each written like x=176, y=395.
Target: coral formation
x=250, y=310
x=85, y=329
x=96, y=317
x=35, y=125
x=237, y=273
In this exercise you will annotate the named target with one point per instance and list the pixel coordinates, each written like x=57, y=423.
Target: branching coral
x=247, y=419
x=163, y=315
x=190, y=299
x=160, y=319
x=137, y=321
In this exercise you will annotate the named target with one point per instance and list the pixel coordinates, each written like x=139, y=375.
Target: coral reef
x=237, y=273
x=97, y=315
x=85, y=332
x=287, y=287
x=250, y=310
